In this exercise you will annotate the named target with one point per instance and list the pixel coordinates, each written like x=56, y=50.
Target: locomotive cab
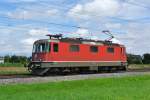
x=40, y=51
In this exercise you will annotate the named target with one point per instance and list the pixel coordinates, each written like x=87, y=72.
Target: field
x=11, y=65
x=125, y=88
x=18, y=68
x=9, y=68
x=13, y=70
x=138, y=66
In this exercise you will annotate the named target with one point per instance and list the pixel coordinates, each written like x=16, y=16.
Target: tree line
x=16, y=59
x=138, y=59
x=131, y=58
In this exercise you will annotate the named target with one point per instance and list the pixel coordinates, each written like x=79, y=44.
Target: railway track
x=27, y=78
x=11, y=76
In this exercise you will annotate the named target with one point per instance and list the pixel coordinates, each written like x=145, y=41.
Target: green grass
x=11, y=65
x=139, y=66
x=13, y=70
x=125, y=88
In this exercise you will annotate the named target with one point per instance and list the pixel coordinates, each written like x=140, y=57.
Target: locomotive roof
x=79, y=41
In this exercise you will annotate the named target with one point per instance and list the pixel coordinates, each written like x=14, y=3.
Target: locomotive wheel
x=124, y=68
x=40, y=71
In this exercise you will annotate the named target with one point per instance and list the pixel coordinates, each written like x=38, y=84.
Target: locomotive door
x=54, y=51
x=49, y=55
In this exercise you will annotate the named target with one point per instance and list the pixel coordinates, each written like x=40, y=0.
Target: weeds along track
x=28, y=79
x=11, y=76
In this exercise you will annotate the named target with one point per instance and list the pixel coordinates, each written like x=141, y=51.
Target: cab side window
x=94, y=49
x=49, y=47
x=55, y=47
x=74, y=48
x=110, y=50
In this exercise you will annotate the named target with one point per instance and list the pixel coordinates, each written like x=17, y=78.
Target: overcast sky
x=24, y=21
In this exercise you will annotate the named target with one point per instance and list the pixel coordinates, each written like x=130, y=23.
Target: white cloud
x=96, y=8
x=114, y=40
x=103, y=9
x=38, y=32
x=32, y=13
x=33, y=35
x=113, y=25
x=131, y=11
x=20, y=14
x=136, y=38
x=28, y=41
x=94, y=38
x=16, y=1
x=82, y=33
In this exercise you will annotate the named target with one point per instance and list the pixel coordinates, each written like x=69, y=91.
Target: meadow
x=11, y=65
x=138, y=66
x=18, y=68
x=122, y=88
x=12, y=68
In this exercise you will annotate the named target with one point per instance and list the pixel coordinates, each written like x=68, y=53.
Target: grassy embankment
x=17, y=68
x=125, y=88
x=139, y=66
x=11, y=65
x=12, y=68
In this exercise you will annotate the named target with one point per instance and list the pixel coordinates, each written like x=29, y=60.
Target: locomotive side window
x=41, y=47
x=110, y=50
x=49, y=47
x=34, y=48
x=122, y=50
x=55, y=47
x=94, y=49
x=74, y=48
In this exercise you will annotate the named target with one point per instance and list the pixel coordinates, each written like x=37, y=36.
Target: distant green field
x=13, y=70
x=17, y=68
x=11, y=65
x=125, y=88
x=139, y=66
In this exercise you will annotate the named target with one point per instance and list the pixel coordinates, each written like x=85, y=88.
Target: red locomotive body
x=76, y=54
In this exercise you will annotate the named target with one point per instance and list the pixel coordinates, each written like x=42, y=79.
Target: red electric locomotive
x=58, y=54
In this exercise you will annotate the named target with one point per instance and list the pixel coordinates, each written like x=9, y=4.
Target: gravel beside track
x=33, y=79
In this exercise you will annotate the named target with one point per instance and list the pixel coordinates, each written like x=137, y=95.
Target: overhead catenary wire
x=139, y=4
x=82, y=27
x=65, y=25
x=66, y=9
x=115, y=18
x=27, y=27
x=53, y=23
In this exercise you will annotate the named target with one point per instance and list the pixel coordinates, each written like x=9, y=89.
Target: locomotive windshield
x=41, y=47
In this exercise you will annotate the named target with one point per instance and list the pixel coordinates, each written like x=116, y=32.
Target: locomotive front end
x=40, y=52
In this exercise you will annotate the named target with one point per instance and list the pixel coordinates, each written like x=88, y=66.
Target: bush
x=16, y=59
x=134, y=59
x=146, y=58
